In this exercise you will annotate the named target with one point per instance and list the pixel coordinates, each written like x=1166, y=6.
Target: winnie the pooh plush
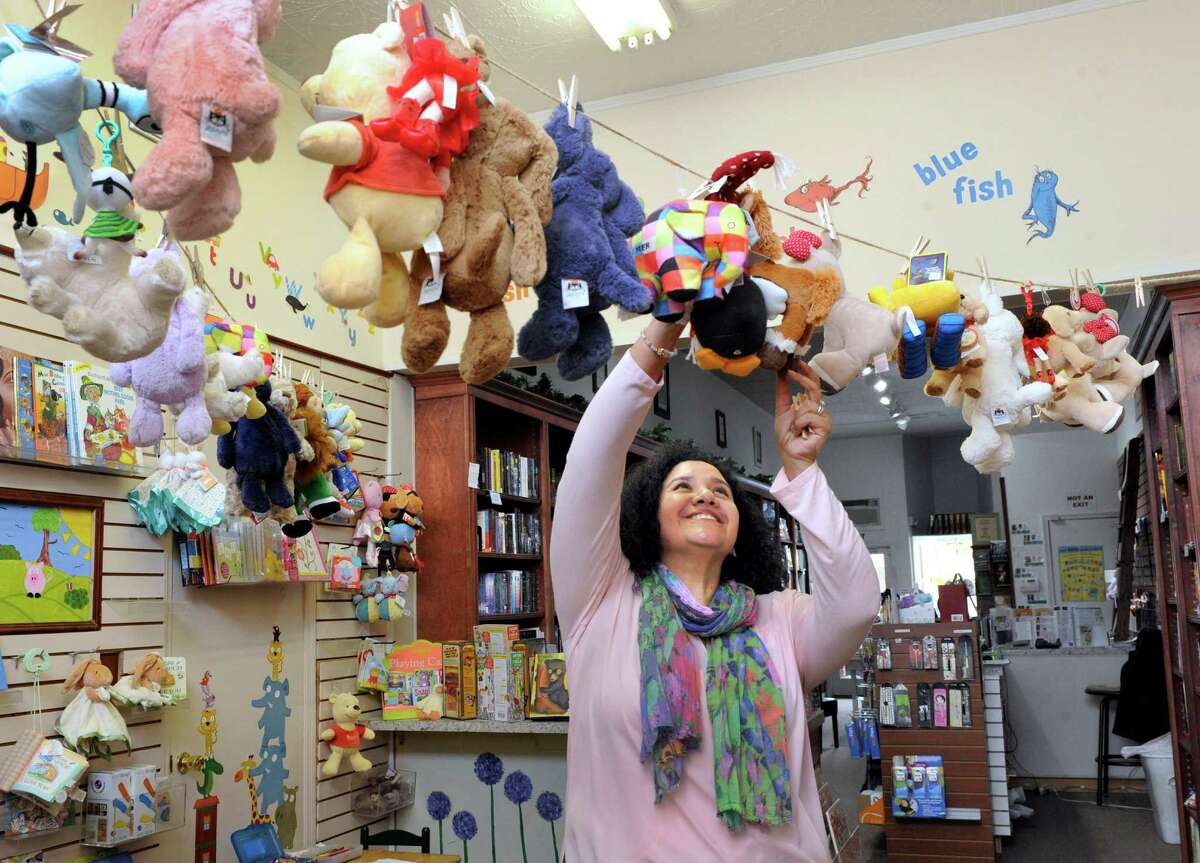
x=387, y=195
x=346, y=736
x=499, y=199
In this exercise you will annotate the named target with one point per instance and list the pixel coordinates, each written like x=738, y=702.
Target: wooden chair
x=393, y=838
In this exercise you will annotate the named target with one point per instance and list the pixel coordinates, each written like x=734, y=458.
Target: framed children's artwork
x=722, y=440
x=662, y=398
x=50, y=561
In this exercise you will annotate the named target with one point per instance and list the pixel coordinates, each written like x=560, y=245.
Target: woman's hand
x=802, y=425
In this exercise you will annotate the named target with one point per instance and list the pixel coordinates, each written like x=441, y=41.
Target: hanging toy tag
x=487, y=92
x=216, y=127
x=881, y=363
x=1000, y=417
x=574, y=293
x=431, y=290
x=449, y=93
x=76, y=254
x=1041, y=355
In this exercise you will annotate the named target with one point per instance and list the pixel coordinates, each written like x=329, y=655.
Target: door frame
x=1050, y=567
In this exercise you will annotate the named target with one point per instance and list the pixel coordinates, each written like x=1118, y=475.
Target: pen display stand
x=930, y=703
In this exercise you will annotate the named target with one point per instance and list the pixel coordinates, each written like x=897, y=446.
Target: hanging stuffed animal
x=369, y=531
x=174, y=374
x=143, y=687
x=401, y=509
x=91, y=722
x=968, y=371
x=111, y=197
x=200, y=63
x=293, y=520
x=387, y=195
x=42, y=96
x=492, y=236
x=1003, y=403
x=224, y=396
x=115, y=305
x=257, y=452
x=587, y=241
x=314, y=491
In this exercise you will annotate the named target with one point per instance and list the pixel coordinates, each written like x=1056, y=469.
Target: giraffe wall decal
x=243, y=774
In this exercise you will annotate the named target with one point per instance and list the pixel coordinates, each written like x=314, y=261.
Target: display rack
x=455, y=421
x=1170, y=404
x=966, y=834
x=786, y=528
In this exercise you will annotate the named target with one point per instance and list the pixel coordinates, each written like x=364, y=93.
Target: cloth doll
x=200, y=63
x=369, y=530
x=492, y=234
x=587, y=240
x=91, y=722
x=116, y=306
x=257, y=451
x=174, y=373
x=386, y=194
x=42, y=95
x=143, y=687
x=1003, y=402
x=346, y=736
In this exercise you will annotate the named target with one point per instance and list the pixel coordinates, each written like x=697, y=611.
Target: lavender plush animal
x=586, y=239
x=173, y=374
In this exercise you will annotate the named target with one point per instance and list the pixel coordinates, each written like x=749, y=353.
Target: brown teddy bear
x=314, y=491
x=502, y=179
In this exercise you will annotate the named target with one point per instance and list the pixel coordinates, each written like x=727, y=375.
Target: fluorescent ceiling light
x=867, y=371
x=885, y=400
x=880, y=385
x=616, y=20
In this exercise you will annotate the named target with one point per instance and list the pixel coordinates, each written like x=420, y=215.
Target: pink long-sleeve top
x=611, y=814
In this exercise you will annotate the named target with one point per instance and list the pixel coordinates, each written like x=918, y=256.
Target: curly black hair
x=757, y=559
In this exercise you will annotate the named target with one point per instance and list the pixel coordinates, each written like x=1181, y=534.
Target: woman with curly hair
x=688, y=662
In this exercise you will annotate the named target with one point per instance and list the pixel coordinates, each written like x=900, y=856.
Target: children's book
x=25, y=418
x=100, y=412
x=303, y=560
x=414, y=673
x=548, y=695
x=8, y=396
x=50, y=407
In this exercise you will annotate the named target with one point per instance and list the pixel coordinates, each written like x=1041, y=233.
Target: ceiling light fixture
x=619, y=21
x=902, y=423
x=885, y=400
x=880, y=385
x=867, y=371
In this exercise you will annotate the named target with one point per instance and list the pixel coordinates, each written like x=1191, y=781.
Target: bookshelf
x=786, y=530
x=453, y=423
x=1170, y=404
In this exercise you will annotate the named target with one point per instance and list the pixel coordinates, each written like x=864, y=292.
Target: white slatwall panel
x=134, y=611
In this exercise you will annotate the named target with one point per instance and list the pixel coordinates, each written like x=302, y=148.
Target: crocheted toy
x=345, y=737
x=91, y=722
x=257, y=451
x=1003, y=403
x=586, y=241
x=314, y=491
x=175, y=374
x=115, y=305
x=201, y=66
x=42, y=96
x=386, y=194
x=492, y=235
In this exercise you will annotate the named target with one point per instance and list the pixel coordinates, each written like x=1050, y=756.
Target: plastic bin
x=1159, y=764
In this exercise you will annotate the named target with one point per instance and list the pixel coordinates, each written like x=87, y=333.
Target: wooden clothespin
x=911, y=320
x=454, y=26
x=1139, y=292
x=45, y=33
x=569, y=97
x=826, y=217
x=983, y=268
x=919, y=246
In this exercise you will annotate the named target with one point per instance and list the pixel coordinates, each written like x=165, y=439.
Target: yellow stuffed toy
x=928, y=301
x=388, y=196
x=346, y=736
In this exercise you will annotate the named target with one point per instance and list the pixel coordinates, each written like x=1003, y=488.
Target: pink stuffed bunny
x=174, y=373
x=190, y=55
x=369, y=529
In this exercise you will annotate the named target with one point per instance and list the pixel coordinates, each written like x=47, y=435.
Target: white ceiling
x=544, y=40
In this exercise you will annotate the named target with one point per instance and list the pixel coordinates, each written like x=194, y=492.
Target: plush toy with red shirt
x=346, y=736
x=388, y=195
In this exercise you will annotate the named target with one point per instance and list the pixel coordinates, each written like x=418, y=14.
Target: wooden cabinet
x=453, y=423
x=1170, y=409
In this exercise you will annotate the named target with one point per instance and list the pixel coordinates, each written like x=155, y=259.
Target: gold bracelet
x=661, y=353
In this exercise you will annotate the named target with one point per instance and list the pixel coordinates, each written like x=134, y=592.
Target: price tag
x=75, y=254
x=1000, y=417
x=881, y=363
x=494, y=497
x=574, y=293
x=473, y=475
x=216, y=127
x=449, y=93
x=431, y=290
x=433, y=244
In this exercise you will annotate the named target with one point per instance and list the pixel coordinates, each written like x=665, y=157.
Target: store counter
x=1052, y=720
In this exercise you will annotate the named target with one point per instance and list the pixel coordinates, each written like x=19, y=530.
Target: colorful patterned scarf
x=745, y=703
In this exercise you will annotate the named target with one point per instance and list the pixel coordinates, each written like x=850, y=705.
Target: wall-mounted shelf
x=471, y=726
x=17, y=455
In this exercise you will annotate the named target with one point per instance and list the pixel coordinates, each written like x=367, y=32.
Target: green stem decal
x=521, y=822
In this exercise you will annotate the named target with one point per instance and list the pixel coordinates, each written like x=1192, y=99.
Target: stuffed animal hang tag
x=216, y=127
x=431, y=290
x=574, y=293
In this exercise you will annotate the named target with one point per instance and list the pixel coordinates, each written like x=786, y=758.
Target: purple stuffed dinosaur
x=173, y=374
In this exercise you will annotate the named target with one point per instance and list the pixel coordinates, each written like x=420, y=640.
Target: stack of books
x=509, y=532
x=510, y=592
x=508, y=473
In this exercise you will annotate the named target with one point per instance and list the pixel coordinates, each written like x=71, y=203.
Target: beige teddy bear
x=346, y=735
x=389, y=197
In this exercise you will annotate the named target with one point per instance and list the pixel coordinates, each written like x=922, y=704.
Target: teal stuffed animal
x=42, y=96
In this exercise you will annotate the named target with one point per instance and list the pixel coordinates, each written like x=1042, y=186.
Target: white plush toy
x=227, y=402
x=1003, y=403
x=115, y=304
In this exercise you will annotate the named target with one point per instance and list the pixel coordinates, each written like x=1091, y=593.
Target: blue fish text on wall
x=966, y=189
